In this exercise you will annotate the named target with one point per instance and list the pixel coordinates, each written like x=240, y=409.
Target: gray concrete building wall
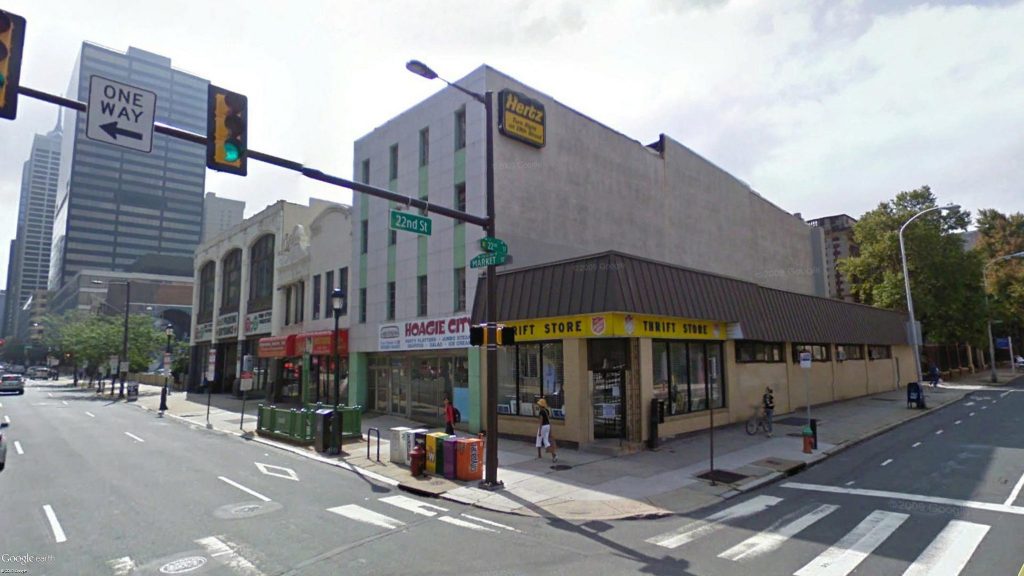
x=220, y=214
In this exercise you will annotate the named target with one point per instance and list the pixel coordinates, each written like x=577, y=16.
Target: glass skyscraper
x=116, y=206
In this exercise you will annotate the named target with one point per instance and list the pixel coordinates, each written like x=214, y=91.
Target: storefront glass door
x=608, y=361
x=399, y=392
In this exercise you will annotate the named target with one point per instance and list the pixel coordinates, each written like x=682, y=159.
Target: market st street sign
x=120, y=114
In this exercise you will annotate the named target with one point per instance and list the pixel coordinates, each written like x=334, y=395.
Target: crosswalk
x=946, y=555
x=416, y=508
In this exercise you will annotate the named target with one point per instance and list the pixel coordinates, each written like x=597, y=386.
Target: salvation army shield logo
x=597, y=325
x=629, y=324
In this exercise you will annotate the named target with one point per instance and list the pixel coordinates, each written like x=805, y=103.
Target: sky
x=821, y=106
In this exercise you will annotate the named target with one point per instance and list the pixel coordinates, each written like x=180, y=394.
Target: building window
x=391, y=301
x=421, y=295
x=527, y=372
x=392, y=237
x=879, y=352
x=366, y=174
x=460, y=289
x=460, y=197
x=460, y=128
x=819, y=352
x=343, y=285
x=316, y=297
x=362, y=305
x=207, y=277
x=849, y=352
x=328, y=288
x=364, y=236
x=424, y=146
x=231, y=289
x=261, y=275
x=300, y=303
x=393, y=163
x=687, y=374
x=288, y=305
x=750, y=351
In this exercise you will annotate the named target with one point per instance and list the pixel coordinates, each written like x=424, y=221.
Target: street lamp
x=988, y=314
x=491, y=447
x=906, y=282
x=167, y=354
x=124, y=337
x=337, y=303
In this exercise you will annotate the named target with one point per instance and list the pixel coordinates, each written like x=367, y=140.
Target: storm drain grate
x=723, y=476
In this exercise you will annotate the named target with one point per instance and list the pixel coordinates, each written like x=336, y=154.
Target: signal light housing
x=226, y=127
x=12, y=39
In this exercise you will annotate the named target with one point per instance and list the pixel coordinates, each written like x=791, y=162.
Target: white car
x=3, y=446
x=12, y=383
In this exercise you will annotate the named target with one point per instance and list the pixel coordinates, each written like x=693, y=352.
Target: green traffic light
x=231, y=152
x=3, y=79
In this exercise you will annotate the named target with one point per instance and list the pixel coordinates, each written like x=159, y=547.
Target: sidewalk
x=586, y=485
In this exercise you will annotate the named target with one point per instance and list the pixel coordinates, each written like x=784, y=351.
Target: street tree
x=944, y=278
x=1001, y=235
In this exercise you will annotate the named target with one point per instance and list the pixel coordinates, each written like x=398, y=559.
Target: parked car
x=3, y=446
x=39, y=373
x=12, y=383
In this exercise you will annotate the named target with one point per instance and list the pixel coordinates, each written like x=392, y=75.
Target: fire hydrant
x=417, y=460
x=808, y=435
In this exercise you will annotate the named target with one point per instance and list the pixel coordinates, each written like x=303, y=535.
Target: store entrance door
x=399, y=392
x=609, y=405
x=382, y=389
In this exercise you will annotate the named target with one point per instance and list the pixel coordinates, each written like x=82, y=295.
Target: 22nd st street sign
x=120, y=114
x=411, y=222
x=493, y=245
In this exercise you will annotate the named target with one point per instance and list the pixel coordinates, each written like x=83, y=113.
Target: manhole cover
x=246, y=510
x=183, y=565
x=723, y=476
x=561, y=467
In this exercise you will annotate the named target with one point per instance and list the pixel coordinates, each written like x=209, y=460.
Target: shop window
x=750, y=351
x=819, y=352
x=328, y=288
x=527, y=372
x=687, y=374
x=343, y=284
x=879, y=352
x=316, y=297
x=608, y=354
x=849, y=352
x=207, y=277
x=231, y=281
x=300, y=302
x=288, y=305
x=261, y=274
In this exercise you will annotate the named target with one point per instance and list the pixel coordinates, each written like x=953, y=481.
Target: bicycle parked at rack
x=759, y=421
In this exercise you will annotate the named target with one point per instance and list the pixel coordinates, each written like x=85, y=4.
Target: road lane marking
x=135, y=437
x=58, y=532
x=122, y=566
x=971, y=414
x=886, y=463
x=694, y=530
x=412, y=505
x=64, y=402
x=244, y=489
x=950, y=551
x=775, y=536
x=994, y=401
x=1, y=404
x=1003, y=395
x=279, y=471
x=360, y=514
x=992, y=507
x=851, y=482
x=844, y=556
x=50, y=394
x=916, y=444
x=492, y=523
x=464, y=524
x=1015, y=492
x=984, y=407
x=7, y=419
x=937, y=432
x=236, y=562
x=17, y=447
x=969, y=404
x=91, y=415
x=958, y=422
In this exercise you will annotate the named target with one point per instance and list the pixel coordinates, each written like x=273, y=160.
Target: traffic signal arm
x=12, y=39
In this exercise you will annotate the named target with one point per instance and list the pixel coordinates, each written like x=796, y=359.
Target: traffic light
x=477, y=335
x=226, y=124
x=12, y=37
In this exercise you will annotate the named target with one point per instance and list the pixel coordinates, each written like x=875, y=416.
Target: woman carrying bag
x=544, y=431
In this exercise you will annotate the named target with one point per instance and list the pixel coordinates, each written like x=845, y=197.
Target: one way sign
x=120, y=114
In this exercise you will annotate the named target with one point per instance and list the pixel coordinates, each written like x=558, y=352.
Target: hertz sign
x=522, y=118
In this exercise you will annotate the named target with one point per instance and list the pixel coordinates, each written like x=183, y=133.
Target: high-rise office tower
x=29, y=263
x=117, y=206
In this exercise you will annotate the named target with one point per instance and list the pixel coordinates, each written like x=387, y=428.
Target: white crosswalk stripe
x=775, y=536
x=367, y=516
x=360, y=514
x=844, y=556
x=950, y=551
x=714, y=522
x=464, y=524
x=413, y=505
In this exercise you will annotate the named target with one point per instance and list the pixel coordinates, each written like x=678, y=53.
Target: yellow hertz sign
x=617, y=325
x=522, y=118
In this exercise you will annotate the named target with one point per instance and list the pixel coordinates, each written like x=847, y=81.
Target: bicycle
x=759, y=421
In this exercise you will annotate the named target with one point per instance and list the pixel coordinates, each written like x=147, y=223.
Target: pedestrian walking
x=768, y=402
x=449, y=417
x=934, y=374
x=544, y=431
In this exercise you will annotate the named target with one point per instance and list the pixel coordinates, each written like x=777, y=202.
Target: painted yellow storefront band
x=617, y=325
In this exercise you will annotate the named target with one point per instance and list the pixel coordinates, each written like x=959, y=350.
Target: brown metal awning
x=616, y=282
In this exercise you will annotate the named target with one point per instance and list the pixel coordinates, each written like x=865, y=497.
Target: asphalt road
x=106, y=488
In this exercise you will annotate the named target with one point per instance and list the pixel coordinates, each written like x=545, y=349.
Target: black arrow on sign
x=111, y=129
